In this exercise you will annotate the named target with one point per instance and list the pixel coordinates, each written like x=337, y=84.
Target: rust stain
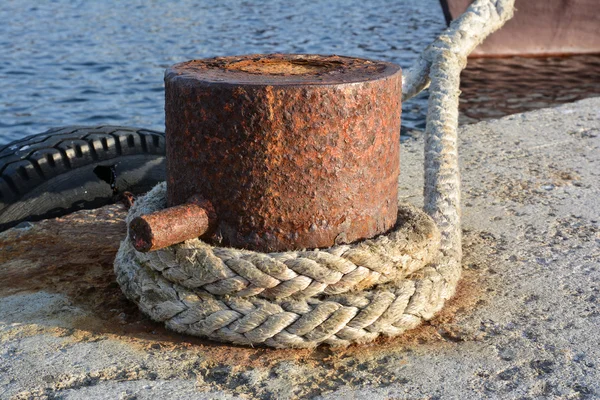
x=74, y=256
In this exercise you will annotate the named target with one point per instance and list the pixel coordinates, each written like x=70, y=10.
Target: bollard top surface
x=282, y=69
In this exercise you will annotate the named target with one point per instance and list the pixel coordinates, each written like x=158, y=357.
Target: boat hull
x=547, y=27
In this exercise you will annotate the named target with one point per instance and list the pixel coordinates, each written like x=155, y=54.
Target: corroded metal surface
x=172, y=225
x=293, y=151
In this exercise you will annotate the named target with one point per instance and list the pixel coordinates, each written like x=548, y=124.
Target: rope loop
x=343, y=294
x=339, y=295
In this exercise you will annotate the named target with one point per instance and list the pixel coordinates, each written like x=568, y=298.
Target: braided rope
x=297, y=318
x=344, y=294
x=194, y=264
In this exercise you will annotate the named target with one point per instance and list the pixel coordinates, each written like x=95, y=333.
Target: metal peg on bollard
x=172, y=225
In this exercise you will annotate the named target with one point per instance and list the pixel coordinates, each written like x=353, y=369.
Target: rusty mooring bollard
x=292, y=151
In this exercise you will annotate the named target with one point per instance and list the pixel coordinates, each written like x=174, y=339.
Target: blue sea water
x=94, y=62
x=98, y=62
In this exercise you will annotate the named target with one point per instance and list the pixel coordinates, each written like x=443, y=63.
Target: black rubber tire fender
x=76, y=167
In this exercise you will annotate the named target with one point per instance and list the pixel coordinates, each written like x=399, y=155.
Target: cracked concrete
x=524, y=323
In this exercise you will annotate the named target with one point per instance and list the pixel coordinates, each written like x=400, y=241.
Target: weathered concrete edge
x=531, y=193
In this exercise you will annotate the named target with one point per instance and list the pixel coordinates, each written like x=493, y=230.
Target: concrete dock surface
x=524, y=324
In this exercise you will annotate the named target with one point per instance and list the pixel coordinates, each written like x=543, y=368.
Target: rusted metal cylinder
x=293, y=151
x=172, y=225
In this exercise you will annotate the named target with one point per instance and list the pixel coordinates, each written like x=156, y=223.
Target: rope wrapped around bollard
x=339, y=295
x=289, y=299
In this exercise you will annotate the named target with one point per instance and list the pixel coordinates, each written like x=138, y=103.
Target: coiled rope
x=343, y=294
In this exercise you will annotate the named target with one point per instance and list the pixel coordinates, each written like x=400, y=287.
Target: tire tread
x=27, y=162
